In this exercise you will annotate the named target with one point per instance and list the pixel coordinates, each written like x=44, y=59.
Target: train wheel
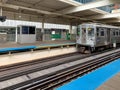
x=82, y=49
x=87, y=51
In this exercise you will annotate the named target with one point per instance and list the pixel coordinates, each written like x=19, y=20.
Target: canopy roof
x=65, y=9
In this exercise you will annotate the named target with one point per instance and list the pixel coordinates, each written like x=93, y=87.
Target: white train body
x=97, y=35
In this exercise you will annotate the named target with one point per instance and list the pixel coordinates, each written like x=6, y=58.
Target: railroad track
x=26, y=68
x=60, y=76
x=66, y=75
x=9, y=72
x=29, y=63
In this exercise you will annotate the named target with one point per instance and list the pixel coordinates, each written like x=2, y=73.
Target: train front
x=86, y=36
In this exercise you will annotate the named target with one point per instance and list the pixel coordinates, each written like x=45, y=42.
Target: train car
x=92, y=36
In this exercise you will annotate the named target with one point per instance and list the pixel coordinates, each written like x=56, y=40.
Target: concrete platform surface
x=112, y=84
x=9, y=44
x=34, y=55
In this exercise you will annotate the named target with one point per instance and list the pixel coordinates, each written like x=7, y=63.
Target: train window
x=18, y=30
x=90, y=31
x=97, y=31
x=25, y=30
x=31, y=30
x=113, y=33
x=84, y=29
x=102, y=33
x=117, y=33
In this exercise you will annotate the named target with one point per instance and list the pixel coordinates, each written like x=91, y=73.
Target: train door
x=84, y=35
x=38, y=35
x=108, y=35
x=90, y=36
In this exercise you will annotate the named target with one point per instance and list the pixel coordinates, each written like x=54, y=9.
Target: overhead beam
x=16, y=7
x=92, y=18
x=9, y=6
x=71, y=2
x=4, y=1
x=111, y=21
x=28, y=4
x=106, y=16
x=87, y=6
x=37, y=3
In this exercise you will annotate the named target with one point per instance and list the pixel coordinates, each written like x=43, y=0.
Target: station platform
x=10, y=47
x=112, y=84
x=95, y=79
x=13, y=44
x=14, y=53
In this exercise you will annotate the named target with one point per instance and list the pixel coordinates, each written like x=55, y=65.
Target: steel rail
x=81, y=69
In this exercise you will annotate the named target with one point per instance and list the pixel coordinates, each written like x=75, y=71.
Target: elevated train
x=93, y=36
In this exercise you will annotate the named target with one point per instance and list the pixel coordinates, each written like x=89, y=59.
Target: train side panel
x=95, y=36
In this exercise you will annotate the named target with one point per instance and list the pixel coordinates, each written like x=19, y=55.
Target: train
x=95, y=36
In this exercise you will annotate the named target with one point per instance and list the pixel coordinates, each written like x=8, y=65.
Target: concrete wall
x=27, y=38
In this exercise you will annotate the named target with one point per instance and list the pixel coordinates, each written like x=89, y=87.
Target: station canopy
x=72, y=10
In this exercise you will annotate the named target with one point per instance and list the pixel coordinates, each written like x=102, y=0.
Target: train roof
x=100, y=25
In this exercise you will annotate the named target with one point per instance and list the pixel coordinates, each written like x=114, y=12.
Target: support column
x=1, y=11
x=70, y=29
x=42, y=30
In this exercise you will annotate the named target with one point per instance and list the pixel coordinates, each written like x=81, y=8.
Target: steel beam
x=87, y=6
x=16, y=7
x=4, y=1
x=112, y=21
x=106, y=16
x=71, y=2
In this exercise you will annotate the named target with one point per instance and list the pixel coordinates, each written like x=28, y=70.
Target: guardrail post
x=32, y=50
x=114, y=45
x=9, y=53
x=62, y=47
x=68, y=46
x=76, y=46
x=49, y=48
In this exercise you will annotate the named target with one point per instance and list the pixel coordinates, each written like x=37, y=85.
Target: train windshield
x=90, y=31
